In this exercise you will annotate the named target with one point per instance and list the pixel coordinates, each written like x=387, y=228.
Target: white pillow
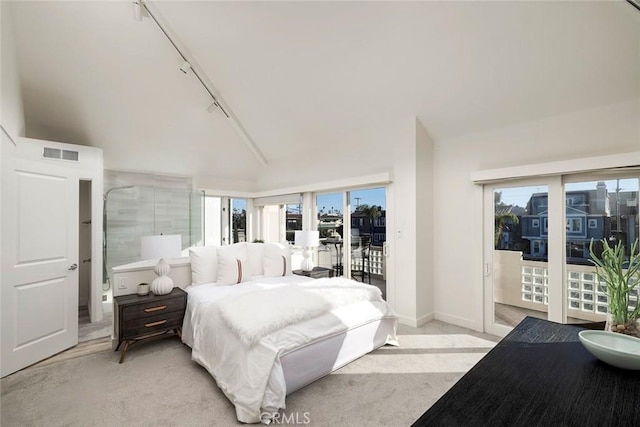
x=277, y=260
x=255, y=251
x=233, y=265
x=204, y=264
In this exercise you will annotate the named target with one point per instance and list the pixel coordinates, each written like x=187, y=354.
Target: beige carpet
x=159, y=385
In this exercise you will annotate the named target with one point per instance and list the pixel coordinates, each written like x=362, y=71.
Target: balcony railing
x=525, y=284
x=375, y=266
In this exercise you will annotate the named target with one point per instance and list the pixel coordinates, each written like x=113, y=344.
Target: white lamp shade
x=307, y=238
x=163, y=246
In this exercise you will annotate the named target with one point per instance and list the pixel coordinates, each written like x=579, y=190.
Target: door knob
x=73, y=266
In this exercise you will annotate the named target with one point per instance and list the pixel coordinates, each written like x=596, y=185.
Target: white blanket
x=251, y=316
x=252, y=377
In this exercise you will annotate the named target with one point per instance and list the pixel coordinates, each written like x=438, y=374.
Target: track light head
x=213, y=107
x=137, y=11
x=185, y=67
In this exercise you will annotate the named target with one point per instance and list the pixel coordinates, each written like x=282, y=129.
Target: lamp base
x=307, y=262
x=161, y=285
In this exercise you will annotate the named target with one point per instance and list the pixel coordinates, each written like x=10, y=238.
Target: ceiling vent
x=56, y=153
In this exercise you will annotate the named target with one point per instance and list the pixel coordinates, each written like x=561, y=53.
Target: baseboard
x=415, y=323
x=459, y=321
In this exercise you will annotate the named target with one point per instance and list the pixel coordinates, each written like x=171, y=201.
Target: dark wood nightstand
x=316, y=273
x=138, y=317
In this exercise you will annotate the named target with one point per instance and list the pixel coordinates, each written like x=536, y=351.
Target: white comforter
x=247, y=369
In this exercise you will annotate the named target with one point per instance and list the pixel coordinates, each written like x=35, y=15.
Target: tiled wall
x=133, y=210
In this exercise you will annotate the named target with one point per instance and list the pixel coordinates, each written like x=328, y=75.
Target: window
x=574, y=225
x=535, y=223
x=329, y=208
x=593, y=223
x=331, y=230
x=379, y=237
x=293, y=220
x=238, y=220
x=277, y=217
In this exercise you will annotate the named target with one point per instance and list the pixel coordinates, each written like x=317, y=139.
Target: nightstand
x=316, y=273
x=138, y=317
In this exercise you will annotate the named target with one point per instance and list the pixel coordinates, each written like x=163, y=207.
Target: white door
x=39, y=261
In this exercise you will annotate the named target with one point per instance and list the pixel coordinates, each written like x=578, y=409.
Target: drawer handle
x=152, y=309
x=159, y=322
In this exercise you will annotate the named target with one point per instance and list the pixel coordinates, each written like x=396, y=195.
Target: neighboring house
x=587, y=216
x=510, y=237
x=361, y=225
x=293, y=223
x=624, y=216
x=329, y=224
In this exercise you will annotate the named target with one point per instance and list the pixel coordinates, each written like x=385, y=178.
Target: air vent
x=52, y=153
x=70, y=155
x=56, y=153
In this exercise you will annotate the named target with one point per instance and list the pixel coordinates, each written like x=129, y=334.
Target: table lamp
x=307, y=239
x=161, y=247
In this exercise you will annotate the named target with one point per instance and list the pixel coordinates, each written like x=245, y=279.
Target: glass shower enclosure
x=131, y=212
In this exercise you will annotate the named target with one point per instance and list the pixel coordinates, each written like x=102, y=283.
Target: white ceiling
x=299, y=73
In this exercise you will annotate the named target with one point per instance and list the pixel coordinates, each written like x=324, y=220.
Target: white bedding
x=250, y=375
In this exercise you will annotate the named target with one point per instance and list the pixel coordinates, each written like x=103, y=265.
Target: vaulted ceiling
x=297, y=74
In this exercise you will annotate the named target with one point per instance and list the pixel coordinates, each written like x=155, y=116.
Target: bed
x=268, y=332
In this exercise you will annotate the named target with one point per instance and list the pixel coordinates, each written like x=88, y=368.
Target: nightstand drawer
x=151, y=324
x=152, y=308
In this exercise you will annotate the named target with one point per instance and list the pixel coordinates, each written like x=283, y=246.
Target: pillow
x=233, y=265
x=204, y=264
x=277, y=260
x=275, y=266
x=255, y=252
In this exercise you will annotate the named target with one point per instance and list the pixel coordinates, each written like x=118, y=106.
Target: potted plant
x=620, y=279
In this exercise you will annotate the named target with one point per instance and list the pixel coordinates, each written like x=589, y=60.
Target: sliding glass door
x=517, y=246
x=537, y=238
x=329, y=208
x=368, y=216
x=597, y=208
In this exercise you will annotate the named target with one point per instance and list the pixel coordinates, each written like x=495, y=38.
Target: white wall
x=11, y=112
x=397, y=147
x=607, y=130
x=424, y=224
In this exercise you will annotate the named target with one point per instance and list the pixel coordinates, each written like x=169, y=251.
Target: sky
x=374, y=196
x=519, y=196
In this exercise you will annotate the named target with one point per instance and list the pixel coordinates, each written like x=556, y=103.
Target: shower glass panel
x=134, y=211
